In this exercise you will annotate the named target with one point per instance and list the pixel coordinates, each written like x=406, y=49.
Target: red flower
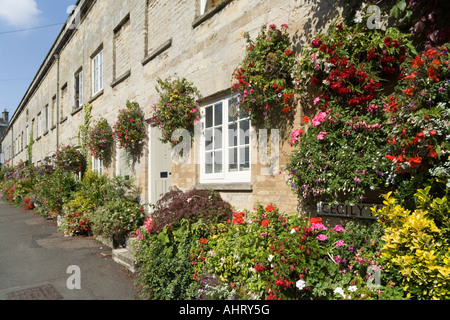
x=430, y=53
x=203, y=240
x=286, y=109
x=388, y=41
x=315, y=220
x=238, y=218
x=287, y=52
x=390, y=157
x=265, y=223
x=270, y=208
x=305, y=119
x=414, y=162
x=314, y=80
x=417, y=62
x=433, y=133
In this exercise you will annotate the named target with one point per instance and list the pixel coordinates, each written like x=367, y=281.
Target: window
x=78, y=90
x=97, y=73
x=97, y=165
x=39, y=125
x=205, y=5
x=46, y=118
x=225, y=145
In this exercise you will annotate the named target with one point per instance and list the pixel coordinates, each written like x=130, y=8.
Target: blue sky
x=22, y=52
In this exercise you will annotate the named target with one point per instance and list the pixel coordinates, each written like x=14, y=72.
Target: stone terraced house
x=111, y=51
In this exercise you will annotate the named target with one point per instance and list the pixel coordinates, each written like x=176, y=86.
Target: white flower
x=300, y=284
x=270, y=258
x=340, y=291
x=358, y=17
x=292, y=230
x=352, y=288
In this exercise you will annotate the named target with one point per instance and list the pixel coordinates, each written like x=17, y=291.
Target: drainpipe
x=56, y=56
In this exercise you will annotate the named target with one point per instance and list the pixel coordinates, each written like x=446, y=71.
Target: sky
x=22, y=52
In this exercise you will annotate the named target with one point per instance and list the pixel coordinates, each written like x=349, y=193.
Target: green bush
x=267, y=254
x=166, y=269
x=117, y=218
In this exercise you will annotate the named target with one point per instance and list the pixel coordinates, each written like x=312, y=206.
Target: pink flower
x=321, y=135
x=322, y=237
x=149, y=224
x=340, y=243
x=319, y=118
x=316, y=100
x=295, y=134
x=318, y=226
x=339, y=228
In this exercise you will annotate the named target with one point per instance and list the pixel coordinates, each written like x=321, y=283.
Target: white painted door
x=160, y=166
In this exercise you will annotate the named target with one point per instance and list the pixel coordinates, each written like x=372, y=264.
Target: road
x=37, y=262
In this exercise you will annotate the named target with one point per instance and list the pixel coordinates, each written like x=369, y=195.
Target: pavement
x=37, y=262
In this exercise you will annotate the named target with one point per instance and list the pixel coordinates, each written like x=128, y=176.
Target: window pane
x=244, y=159
x=208, y=117
x=244, y=132
x=208, y=162
x=208, y=139
x=232, y=159
x=232, y=135
x=217, y=138
x=218, y=162
x=218, y=114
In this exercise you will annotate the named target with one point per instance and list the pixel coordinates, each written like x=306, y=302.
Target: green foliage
x=130, y=129
x=341, y=154
x=101, y=141
x=176, y=108
x=70, y=159
x=267, y=254
x=166, y=270
x=416, y=245
x=263, y=80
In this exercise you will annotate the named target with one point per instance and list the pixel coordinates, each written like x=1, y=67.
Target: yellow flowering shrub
x=416, y=244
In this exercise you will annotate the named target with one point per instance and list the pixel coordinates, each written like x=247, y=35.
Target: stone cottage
x=111, y=51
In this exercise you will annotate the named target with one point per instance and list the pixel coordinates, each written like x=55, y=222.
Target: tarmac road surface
x=37, y=262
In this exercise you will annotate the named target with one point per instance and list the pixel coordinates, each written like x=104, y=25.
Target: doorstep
x=124, y=257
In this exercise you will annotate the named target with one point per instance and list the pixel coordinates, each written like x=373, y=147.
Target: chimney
x=5, y=116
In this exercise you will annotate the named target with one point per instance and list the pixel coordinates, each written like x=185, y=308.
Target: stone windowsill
x=211, y=12
x=76, y=110
x=94, y=97
x=63, y=120
x=234, y=187
x=121, y=78
x=46, y=133
x=166, y=45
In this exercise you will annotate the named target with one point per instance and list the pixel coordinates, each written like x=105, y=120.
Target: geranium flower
x=414, y=162
x=417, y=62
x=305, y=119
x=322, y=237
x=321, y=135
x=270, y=208
x=265, y=223
x=288, y=52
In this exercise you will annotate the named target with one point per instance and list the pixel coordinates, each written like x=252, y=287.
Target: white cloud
x=19, y=13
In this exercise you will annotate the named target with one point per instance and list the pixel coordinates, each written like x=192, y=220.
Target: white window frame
x=97, y=165
x=97, y=73
x=226, y=176
x=78, y=79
